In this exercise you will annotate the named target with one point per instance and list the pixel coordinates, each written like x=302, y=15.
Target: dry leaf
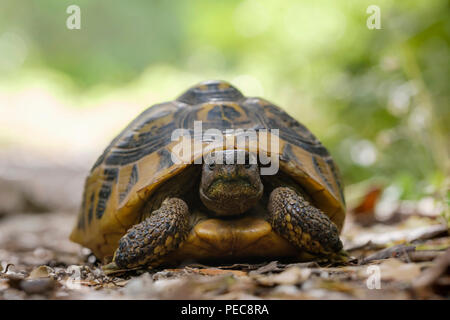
x=390, y=236
x=430, y=277
x=271, y=266
x=392, y=252
x=421, y=256
x=396, y=270
x=216, y=271
x=293, y=275
x=336, y=286
x=40, y=272
x=364, y=212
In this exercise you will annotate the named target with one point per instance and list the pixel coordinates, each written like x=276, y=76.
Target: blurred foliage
x=378, y=99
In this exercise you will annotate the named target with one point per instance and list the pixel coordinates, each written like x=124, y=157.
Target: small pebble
x=37, y=286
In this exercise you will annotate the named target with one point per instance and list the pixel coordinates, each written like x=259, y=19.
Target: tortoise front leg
x=302, y=224
x=147, y=242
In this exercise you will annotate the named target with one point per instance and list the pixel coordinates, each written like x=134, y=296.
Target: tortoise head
x=230, y=182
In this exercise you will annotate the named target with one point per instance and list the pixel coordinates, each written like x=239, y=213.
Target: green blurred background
x=377, y=99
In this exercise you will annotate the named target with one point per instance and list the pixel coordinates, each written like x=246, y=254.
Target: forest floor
x=404, y=257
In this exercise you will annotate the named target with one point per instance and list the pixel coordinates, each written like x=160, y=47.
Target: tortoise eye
x=211, y=166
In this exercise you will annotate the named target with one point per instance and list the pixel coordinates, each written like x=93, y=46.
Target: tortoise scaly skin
x=147, y=242
x=140, y=209
x=302, y=224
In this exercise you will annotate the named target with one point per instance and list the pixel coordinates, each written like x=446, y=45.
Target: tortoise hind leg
x=147, y=242
x=302, y=224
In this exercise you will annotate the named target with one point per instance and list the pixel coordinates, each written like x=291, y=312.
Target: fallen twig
x=392, y=252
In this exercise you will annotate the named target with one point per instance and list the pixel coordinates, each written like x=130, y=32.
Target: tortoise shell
x=138, y=160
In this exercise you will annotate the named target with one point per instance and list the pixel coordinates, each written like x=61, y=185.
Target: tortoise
x=140, y=208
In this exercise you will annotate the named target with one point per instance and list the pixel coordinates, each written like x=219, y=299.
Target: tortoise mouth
x=232, y=188
x=231, y=197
